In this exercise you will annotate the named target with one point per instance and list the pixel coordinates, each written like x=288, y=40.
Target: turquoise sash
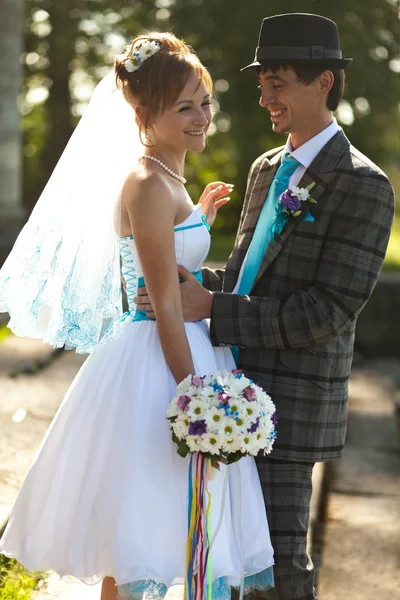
x=140, y=315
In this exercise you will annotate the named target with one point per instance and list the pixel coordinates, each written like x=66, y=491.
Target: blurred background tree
x=70, y=45
x=11, y=212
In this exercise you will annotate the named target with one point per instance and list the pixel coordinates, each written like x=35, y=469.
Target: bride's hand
x=214, y=196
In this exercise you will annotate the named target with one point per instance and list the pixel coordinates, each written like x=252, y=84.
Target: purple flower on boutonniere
x=291, y=200
x=289, y=205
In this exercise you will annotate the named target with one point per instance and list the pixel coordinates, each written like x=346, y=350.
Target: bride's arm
x=151, y=211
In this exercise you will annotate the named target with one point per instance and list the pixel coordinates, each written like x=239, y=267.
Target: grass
x=4, y=332
x=15, y=582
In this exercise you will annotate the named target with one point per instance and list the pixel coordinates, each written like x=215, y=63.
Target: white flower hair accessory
x=139, y=53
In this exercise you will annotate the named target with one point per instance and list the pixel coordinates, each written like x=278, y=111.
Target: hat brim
x=333, y=63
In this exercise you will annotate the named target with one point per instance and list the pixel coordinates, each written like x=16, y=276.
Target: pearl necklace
x=170, y=171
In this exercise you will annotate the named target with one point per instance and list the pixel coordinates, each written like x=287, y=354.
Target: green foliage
x=392, y=261
x=4, y=332
x=224, y=33
x=15, y=582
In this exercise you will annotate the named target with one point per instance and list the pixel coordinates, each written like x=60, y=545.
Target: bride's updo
x=154, y=69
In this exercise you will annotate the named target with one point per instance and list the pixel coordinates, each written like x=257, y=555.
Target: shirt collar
x=306, y=153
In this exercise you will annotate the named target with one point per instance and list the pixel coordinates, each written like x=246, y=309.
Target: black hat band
x=296, y=53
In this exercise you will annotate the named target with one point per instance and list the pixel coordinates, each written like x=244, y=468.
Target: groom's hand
x=196, y=300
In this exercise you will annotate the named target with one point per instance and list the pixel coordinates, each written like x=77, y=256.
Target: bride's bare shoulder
x=148, y=192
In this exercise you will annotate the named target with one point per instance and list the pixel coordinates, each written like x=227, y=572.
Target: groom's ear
x=326, y=81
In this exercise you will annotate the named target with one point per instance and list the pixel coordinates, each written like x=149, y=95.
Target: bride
x=106, y=495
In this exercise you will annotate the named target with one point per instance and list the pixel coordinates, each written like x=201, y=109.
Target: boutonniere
x=290, y=205
x=292, y=199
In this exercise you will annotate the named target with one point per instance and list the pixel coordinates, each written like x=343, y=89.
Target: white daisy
x=214, y=417
x=210, y=442
x=243, y=422
x=181, y=427
x=197, y=409
x=193, y=441
x=228, y=428
x=129, y=66
x=149, y=48
x=252, y=411
x=173, y=409
x=231, y=445
x=263, y=434
x=183, y=386
x=249, y=444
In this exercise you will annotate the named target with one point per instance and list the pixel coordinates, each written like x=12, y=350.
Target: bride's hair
x=159, y=80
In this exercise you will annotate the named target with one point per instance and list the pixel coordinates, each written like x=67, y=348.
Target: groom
x=294, y=286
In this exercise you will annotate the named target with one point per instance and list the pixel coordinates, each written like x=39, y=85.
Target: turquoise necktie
x=262, y=233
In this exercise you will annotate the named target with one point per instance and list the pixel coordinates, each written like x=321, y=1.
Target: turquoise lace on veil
x=62, y=280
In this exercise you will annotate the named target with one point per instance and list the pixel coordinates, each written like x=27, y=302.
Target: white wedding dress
x=107, y=492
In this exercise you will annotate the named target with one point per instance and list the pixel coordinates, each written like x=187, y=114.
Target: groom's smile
x=294, y=106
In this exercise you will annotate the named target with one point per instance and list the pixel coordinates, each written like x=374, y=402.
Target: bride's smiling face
x=184, y=125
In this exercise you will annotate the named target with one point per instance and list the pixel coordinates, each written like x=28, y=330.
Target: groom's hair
x=307, y=74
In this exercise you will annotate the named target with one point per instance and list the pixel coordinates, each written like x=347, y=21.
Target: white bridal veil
x=61, y=281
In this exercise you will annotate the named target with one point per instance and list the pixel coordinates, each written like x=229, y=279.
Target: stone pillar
x=11, y=211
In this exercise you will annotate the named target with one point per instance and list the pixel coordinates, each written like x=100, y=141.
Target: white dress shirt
x=305, y=154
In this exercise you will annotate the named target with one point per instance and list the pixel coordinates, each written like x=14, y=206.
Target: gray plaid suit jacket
x=295, y=331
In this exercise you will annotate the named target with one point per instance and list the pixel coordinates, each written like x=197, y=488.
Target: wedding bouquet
x=217, y=418
x=224, y=416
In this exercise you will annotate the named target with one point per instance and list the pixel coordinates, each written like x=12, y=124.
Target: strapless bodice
x=192, y=244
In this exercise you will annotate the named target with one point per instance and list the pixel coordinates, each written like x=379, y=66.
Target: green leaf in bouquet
x=234, y=457
x=183, y=448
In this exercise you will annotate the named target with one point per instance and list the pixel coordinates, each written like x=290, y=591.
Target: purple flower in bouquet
x=197, y=428
x=183, y=402
x=290, y=201
x=237, y=373
x=197, y=381
x=223, y=398
x=273, y=419
x=249, y=393
x=254, y=426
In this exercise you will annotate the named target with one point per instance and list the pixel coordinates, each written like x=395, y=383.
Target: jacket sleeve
x=213, y=279
x=350, y=263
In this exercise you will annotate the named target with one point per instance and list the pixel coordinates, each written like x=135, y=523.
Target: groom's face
x=293, y=105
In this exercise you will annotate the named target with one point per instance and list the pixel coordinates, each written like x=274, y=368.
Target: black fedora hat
x=299, y=38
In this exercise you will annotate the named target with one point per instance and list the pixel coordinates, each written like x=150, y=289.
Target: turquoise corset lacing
x=132, y=281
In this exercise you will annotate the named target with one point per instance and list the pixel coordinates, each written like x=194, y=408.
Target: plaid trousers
x=287, y=488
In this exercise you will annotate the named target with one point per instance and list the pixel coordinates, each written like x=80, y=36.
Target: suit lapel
x=321, y=172
x=258, y=194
